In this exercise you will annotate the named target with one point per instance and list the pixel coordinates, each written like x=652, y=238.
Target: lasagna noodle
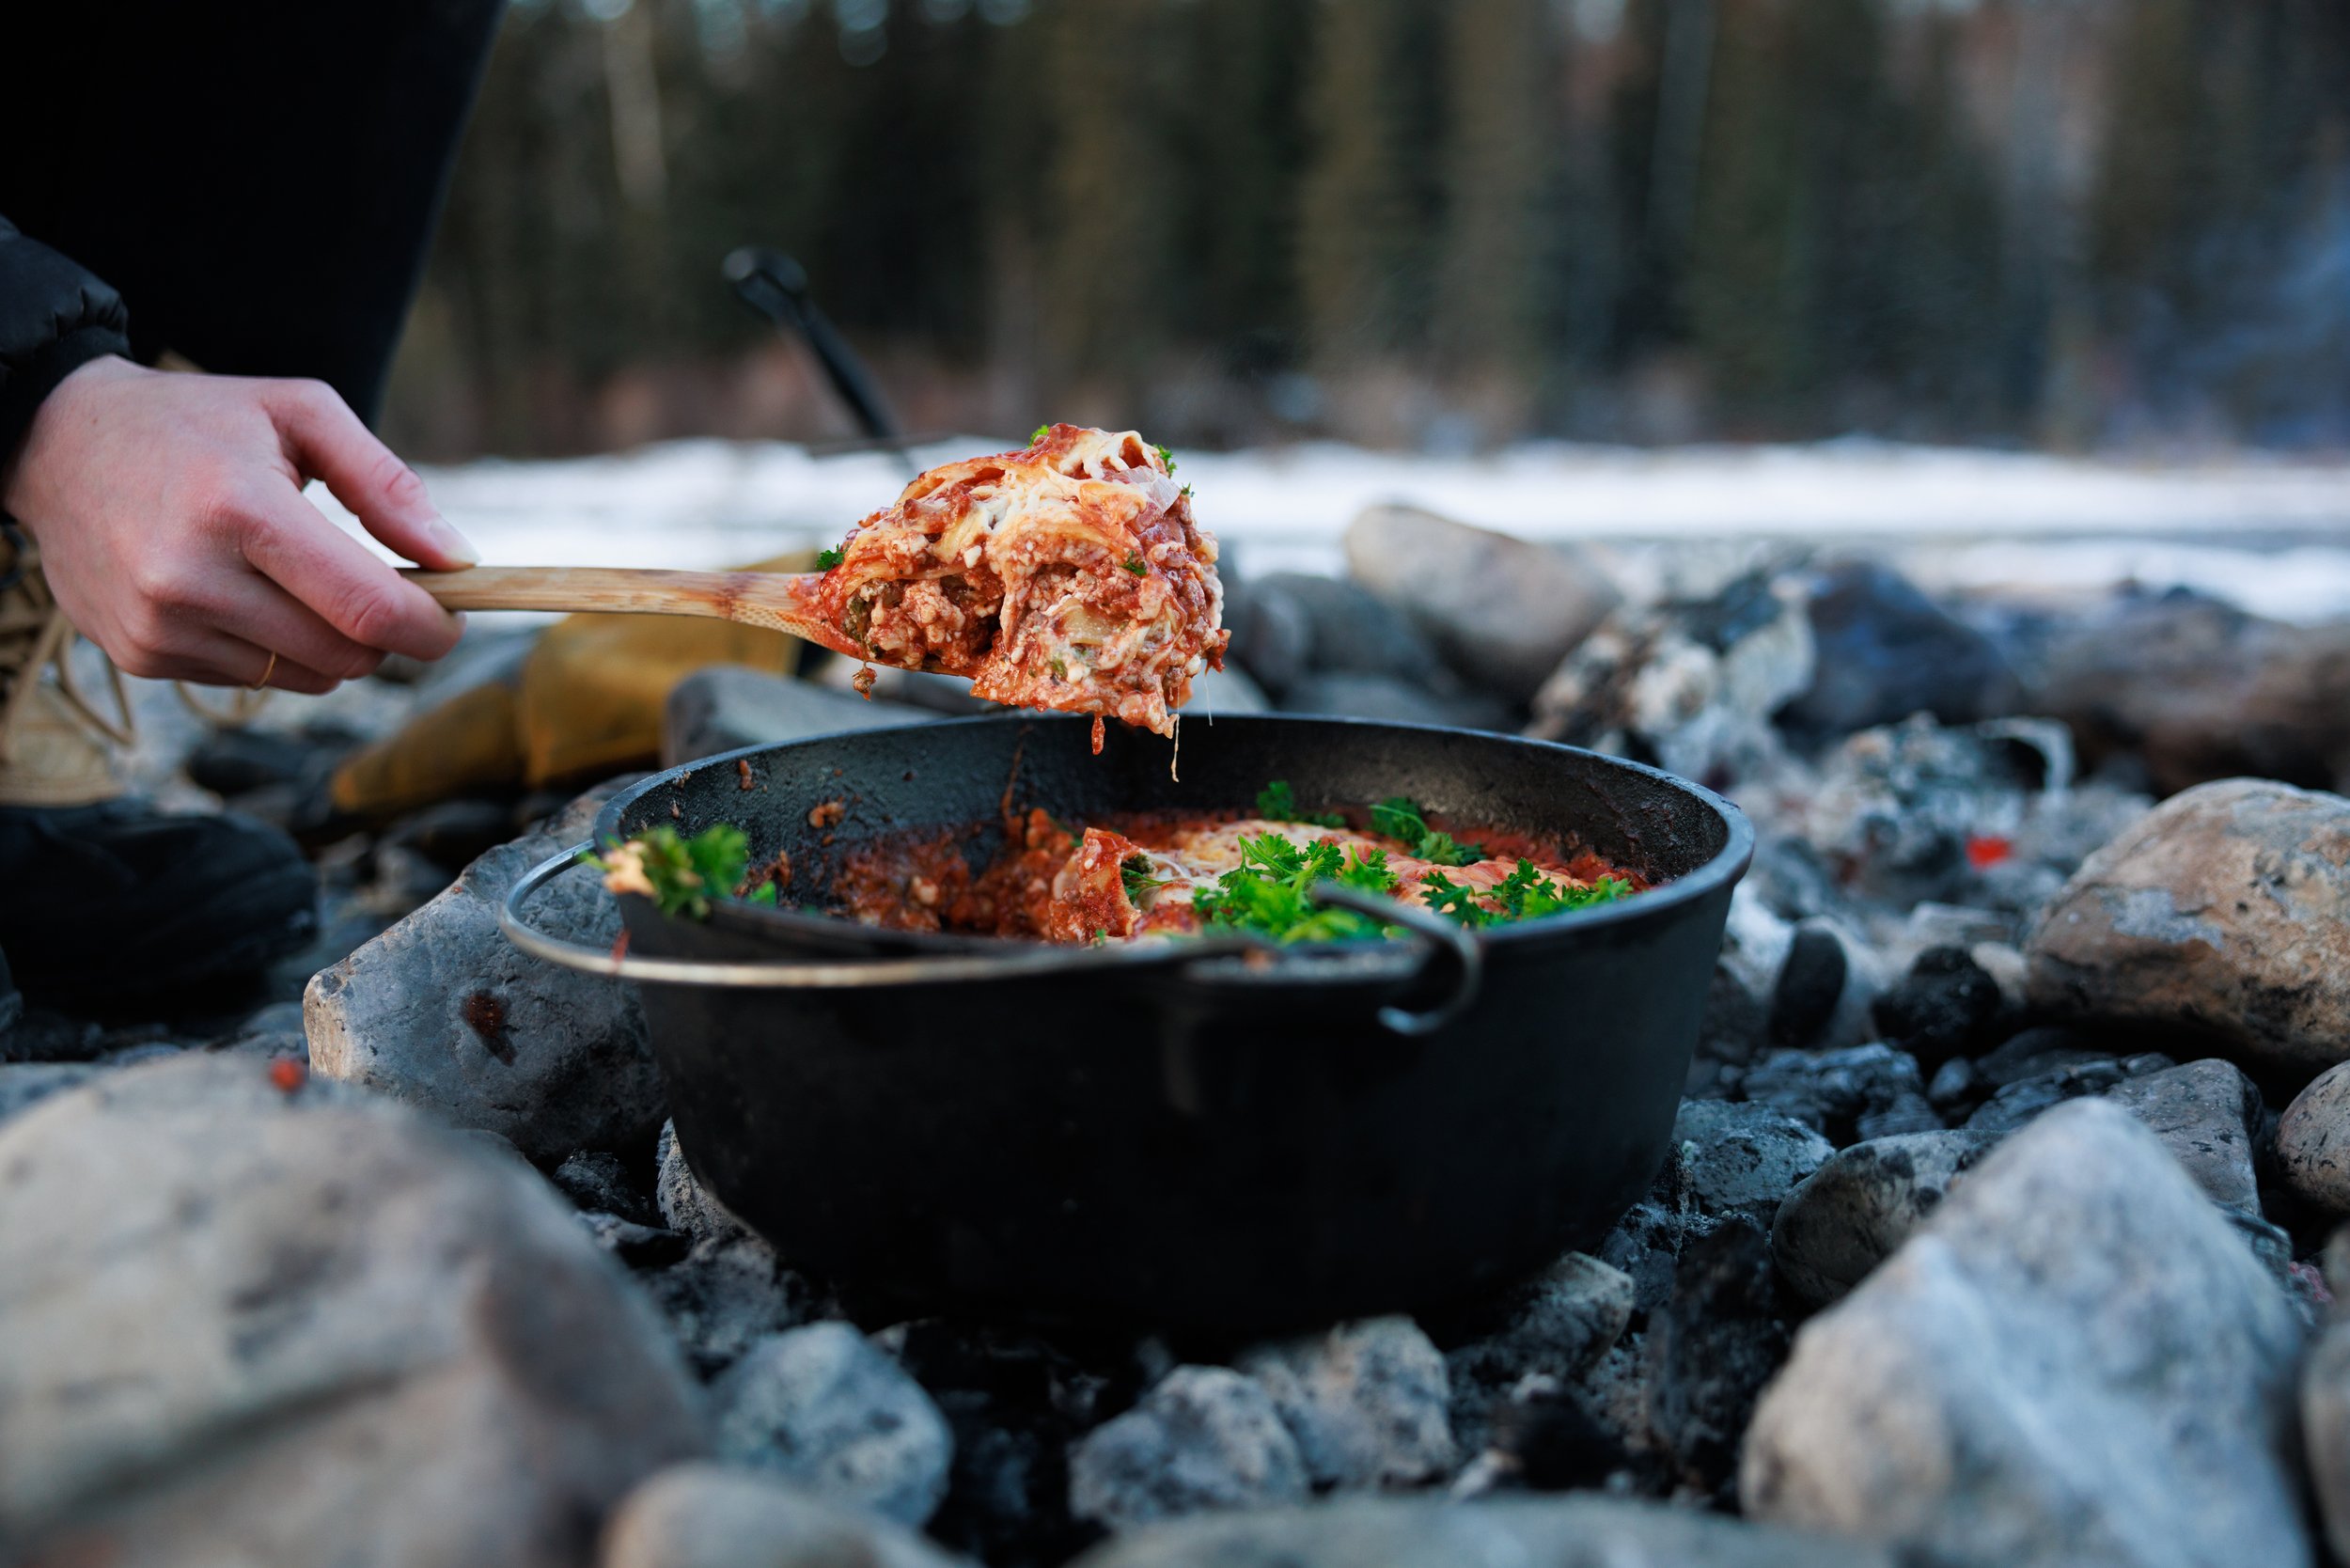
x=1068, y=575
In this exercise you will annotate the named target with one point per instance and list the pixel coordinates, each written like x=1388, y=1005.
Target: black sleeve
x=54, y=318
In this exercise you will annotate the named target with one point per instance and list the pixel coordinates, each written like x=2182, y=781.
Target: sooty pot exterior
x=1211, y=1144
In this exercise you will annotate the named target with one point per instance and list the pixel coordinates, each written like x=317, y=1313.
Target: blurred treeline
x=1435, y=223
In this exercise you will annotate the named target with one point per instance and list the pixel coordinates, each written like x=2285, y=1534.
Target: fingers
x=286, y=539
x=262, y=613
x=216, y=659
x=324, y=440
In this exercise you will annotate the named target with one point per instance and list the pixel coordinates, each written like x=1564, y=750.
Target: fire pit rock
x=823, y=1408
x=246, y=1319
x=2226, y=910
x=1850, y=1215
x=701, y=1515
x=1743, y=1158
x=2314, y=1142
x=443, y=1012
x=1205, y=1438
x=1538, y=1532
x=1365, y=1403
x=2077, y=1358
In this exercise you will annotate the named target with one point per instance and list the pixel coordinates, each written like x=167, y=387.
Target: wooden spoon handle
x=779, y=600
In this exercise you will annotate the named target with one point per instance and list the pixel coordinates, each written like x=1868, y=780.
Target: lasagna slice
x=1068, y=575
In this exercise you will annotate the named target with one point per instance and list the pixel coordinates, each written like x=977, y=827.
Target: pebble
x=724, y=1295
x=822, y=1408
x=2226, y=909
x=598, y=1181
x=726, y=707
x=1885, y=651
x=246, y=1322
x=2207, y=1113
x=2313, y=1141
x=1502, y=611
x=703, y=1515
x=1809, y=986
x=2325, y=1408
x=1390, y=701
x=1947, y=1006
x=1711, y=1347
x=1743, y=1159
x=443, y=1013
x=1367, y=1401
x=2074, y=1360
x=26, y=1084
x=1865, y=1092
x=1348, y=630
x=1205, y=1438
x=1853, y=1211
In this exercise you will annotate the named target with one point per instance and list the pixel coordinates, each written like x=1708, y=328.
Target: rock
x=1503, y=611
x=1731, y=1031
x=1850, y=1215
x=1349, y=630
x=726, y=707
x=1366, y=1402
x=820, y=1407
x=1546, y=1439
x=1885, y=651
x=1273, y=634
x=2074, y=1360
x=1557, y=1324
x=1947, y=1006
x=1745, y=1158
x=2226, y=909
x=638, y=1245
x=1205, y=1438
x=443, y=1012
x=2198, y=690
x=726, y=1294
x=2024, y=1100
x=26, y=1084
x=1689, y=685
x=243, y=1324
x=597, y=1181
x=2312, y=1140
x=684, y=1203
x=1521, y=1532
x=2325, y=1430
x=1645, y=1245
x=719, y=1517
x=1867, y=1091
x=1389, y=701
x=1809, y=986
x=1713, y=1347
x=2207, y=1114
x=1226, y=691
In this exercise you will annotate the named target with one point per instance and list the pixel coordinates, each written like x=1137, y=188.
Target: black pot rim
x=1724, y=868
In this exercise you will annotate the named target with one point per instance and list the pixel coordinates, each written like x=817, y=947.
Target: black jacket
x=251, y=186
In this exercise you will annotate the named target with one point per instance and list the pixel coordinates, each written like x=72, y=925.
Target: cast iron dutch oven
x=1203, y=1135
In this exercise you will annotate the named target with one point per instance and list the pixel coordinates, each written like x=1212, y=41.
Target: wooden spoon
x=779, y=601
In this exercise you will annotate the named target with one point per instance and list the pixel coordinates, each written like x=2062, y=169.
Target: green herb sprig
x=828, y=560
x=1269, y=892
x=681, y=875
x=1400, y=817
x=1136, y=564
x=1166, y=459
x=1041, y=432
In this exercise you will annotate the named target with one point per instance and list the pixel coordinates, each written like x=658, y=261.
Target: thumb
x=325, y=441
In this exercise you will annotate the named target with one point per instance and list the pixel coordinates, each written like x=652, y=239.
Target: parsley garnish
x=828, y=560
x=679, y=874
x=1400, y=817
x=1166, y=459
x=1276, y=803
x=1041, y=432
x=1135, y=872
x=1268, y=892
x=1186, y=492
x=1136, y=564
x=1525, y=894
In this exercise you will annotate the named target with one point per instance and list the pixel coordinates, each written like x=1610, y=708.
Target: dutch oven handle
x=1438, y=943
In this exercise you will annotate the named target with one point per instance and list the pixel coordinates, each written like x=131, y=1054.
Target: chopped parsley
x=828, y=560
x=1166, y=459
x=1136, y=564
x=1135, y=872
x=1276, y=803
x=1525, y=894
x=1270, y=893
x=1400, y=817
x=679, y=874
x=1041, y=432
x=1186, y=492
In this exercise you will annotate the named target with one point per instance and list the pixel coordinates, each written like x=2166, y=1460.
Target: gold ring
x=267, y=670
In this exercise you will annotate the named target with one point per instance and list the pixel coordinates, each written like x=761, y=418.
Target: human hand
x=172, y=527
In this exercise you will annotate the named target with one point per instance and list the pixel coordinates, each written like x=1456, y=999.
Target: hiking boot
x=111, y=903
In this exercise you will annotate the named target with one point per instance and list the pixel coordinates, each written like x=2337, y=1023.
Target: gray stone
x=598, y=1181
x=1347, y=630
x=2225, y=909
x=726, y=1294
x=718, y=1516
x=728, y=707
x=1225, y=691
x=443, y=1012
x=2312, y=1140
x=243, y=1325
x=26, y=1084
x=1710, y=1348
x=684, y=1203
x=2024, y=1100
x=1502, y=610
x=1865, y=1092
x=2074, y=1359
x=2207, y=1114
x=1367, y=1401
x=1851, y=1213
x=824, y=1408
x=1519, y=1532
x=1744, y=1159
x=2326, y=1429
x=1389, y=701
x=638, y=1245
x=1558, y=1322
x=1204, y=1438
